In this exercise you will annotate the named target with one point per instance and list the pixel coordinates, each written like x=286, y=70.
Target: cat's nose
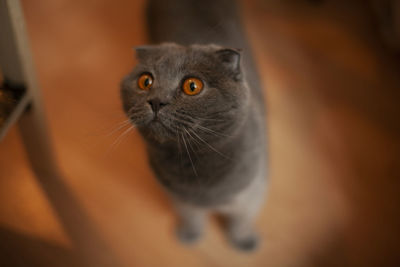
x=156, y=104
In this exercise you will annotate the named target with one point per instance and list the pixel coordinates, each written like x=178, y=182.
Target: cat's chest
x=182, y=164
x=204, y=178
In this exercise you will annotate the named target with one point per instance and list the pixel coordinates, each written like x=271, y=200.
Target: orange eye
x=192, y=86
x=145, y=81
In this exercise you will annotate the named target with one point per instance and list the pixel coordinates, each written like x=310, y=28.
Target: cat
x=197, y=101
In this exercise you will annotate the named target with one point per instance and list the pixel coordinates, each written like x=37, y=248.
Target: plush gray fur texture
x=207, y=150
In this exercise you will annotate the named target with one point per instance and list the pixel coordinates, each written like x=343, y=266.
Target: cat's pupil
x=147, y=82
x=193, y=86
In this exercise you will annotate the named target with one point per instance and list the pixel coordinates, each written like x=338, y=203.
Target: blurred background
x=330, y=70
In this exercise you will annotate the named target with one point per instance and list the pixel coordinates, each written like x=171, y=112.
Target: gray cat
x=199, y=107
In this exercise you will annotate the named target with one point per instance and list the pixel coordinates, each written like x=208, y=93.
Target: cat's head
x=195, y=90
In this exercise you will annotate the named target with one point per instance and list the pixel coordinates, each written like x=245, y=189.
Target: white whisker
x=119, y=139
x=190, y=158
x=119, y=127
x=210, y=146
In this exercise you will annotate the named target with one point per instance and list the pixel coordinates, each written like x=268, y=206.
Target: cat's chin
x=158, y=132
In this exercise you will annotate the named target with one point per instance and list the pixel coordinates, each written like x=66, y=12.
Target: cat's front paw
x=188, y=235
x=246, y=243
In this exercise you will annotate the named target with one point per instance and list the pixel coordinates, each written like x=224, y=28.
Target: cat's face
x=194, y=91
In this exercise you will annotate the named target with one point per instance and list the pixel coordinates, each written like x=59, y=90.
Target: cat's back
x=187, y=22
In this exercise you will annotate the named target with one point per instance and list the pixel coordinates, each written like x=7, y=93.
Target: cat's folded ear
x=143, y=51
x=230, y=58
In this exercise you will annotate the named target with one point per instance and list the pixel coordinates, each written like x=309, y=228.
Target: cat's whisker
x=210, y=146
x=118, y=127
x=192, y=138
x=189, y=143
x=185, y=120
x=131, y=112
x=119, y=139
x=179, y=146
x=188, y=153
x=200, y=127
x=198, y=118
x=203, y=127
x=133, y=108
x=185, y=123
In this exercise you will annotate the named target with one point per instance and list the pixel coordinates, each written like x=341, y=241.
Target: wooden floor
x=333, y=97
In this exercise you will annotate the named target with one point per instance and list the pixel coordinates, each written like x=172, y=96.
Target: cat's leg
x=191, y=222
x=240, y=214
x=240, y=230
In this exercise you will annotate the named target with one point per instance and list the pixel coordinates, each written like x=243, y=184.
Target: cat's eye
x=192, y=86
x=145, y=81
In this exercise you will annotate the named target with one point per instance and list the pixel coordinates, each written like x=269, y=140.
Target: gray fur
x=207, y=150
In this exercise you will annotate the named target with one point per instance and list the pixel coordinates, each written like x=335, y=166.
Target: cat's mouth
x=156, y=118
x=158, y=125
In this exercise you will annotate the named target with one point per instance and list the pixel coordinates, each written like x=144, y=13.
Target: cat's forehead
x=173, y=55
